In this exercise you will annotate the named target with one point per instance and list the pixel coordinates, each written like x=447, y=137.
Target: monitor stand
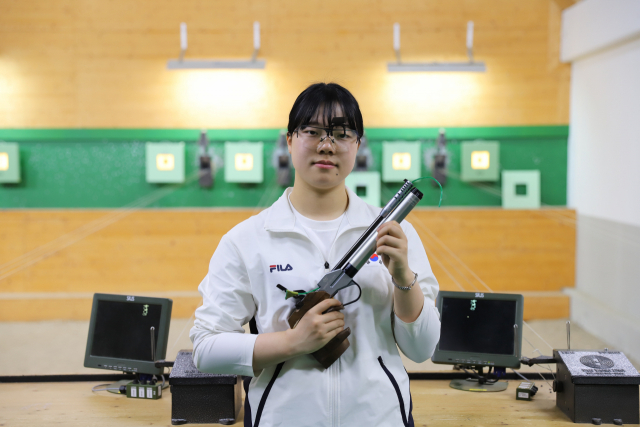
x=479, y=384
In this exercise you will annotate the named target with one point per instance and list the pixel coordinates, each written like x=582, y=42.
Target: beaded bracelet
x=405, y=288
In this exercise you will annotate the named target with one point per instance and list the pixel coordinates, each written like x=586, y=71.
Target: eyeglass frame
x=328, y=132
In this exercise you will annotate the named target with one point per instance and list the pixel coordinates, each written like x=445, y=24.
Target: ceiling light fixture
x=191, y=64
x=400, y=66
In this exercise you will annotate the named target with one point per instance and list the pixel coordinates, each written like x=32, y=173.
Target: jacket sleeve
x=219, y=343
x=418, y=339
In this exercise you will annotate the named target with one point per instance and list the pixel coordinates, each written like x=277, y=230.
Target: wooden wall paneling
x=77, y=63
x=145, y=251
x=166, y=252
x=508, y=249
x=40, y=307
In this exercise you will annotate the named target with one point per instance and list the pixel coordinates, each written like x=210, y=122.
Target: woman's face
x=326, y=164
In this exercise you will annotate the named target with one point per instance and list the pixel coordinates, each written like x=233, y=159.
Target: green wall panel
x=105, y=168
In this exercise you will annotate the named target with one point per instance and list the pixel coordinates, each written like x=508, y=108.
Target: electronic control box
x=203, y=398
x=526, y=390
x=597, y=386
x=144, y=391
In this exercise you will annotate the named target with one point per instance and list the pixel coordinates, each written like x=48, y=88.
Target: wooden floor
x=435, y=404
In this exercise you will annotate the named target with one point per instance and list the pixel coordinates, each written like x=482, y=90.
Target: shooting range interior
x=134, y=135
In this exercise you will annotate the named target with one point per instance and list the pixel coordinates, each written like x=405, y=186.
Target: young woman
x=293, y=244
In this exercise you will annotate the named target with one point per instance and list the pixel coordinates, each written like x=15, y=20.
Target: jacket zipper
x=334, y=372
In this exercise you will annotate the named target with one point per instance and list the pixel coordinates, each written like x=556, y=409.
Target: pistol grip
x=334, y=348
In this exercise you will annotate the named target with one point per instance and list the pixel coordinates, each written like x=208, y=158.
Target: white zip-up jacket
x=367, y=385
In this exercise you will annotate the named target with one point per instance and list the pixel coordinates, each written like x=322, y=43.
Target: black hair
x=327, y=96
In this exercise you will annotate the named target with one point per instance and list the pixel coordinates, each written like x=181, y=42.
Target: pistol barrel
x=362, y=254
x=384, y=213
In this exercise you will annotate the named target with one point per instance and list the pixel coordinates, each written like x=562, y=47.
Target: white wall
x=595, y=25
x=604, y=134
x=602, y=40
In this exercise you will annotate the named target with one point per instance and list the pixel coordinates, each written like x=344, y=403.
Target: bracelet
x=405, y=288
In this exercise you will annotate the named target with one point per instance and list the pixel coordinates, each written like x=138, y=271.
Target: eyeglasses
x=342, y=137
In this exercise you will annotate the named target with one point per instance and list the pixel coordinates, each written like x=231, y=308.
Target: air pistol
x=342, y=274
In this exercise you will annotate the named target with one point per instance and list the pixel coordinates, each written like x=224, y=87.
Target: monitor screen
x=479, y=329
x=120, y=333
x=122, y=330
x=477, y=326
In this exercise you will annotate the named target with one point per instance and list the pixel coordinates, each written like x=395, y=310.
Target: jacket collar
x=281, y=218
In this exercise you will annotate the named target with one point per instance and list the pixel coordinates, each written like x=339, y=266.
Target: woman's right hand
x=315, y=330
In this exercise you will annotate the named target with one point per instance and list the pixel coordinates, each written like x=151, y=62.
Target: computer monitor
x=128, y=333
x=479, y=329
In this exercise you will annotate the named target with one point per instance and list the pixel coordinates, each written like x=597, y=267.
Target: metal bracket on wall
x=400, y=66
x=190, y=64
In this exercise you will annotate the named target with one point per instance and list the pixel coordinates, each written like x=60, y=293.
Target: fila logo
x=280, y=268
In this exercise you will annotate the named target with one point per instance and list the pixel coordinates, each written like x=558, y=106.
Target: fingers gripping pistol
x=341, y=276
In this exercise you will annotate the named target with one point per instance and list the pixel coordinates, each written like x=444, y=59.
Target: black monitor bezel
x=482, y=359
x=129, y=365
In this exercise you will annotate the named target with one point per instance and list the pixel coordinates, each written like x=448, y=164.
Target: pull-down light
x=189, y=64
x=400, y=66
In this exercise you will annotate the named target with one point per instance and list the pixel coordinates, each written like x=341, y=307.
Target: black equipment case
x=199, y=398
x=597, y=387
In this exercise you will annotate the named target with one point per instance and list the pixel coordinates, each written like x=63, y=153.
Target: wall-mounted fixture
x=364, y=157
x=439, y=160
x=400, y=161
x=243, y=162
x=165, y=162
x=282, y=161
x=400, y=66
x=205, y=161
x=187, y=64
x=366, y=185
x=480, y=161
x=521, y=189
x=9, y=163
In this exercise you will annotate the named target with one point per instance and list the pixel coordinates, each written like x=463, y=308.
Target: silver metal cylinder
x=367, y=249
x=408, y=185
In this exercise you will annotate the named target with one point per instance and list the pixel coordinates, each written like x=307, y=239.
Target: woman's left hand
x=392, y=246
